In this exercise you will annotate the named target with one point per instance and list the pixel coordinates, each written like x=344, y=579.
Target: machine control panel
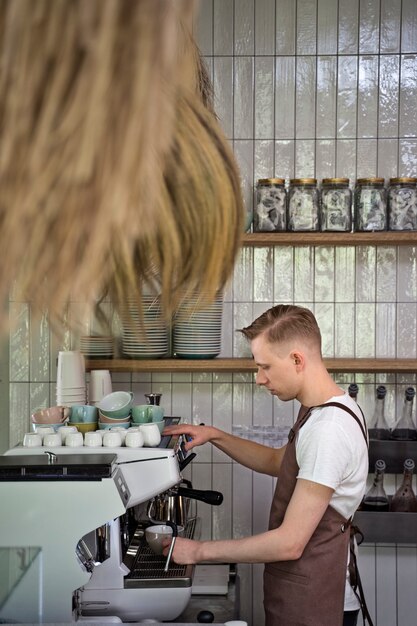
x=122, y=487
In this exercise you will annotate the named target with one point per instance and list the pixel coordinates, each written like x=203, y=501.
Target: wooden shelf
x=390, y=238
x=245, y=365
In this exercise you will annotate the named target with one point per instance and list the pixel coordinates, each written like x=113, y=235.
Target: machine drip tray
x=147, y=568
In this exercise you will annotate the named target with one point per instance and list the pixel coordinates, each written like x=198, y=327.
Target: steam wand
x=174, y=527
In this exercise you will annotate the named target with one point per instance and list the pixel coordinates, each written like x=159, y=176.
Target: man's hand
x=198, y=434
x=186, y=551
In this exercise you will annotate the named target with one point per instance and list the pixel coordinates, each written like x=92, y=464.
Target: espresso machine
x=85, y=512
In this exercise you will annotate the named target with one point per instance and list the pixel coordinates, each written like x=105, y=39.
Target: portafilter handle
x=215, y=498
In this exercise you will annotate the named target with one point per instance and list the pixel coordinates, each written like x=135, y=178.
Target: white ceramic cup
x=74, y=440
x=65, y=430
x=156, y=534
x=134, y=439
x=32, y=440
x=101, y=433
x=70, y=370
x=119, y=429
x=93, y=440
x=52, y=440
x=151, y=434
x=112, y=439
x=100, y=385
x=43, y=430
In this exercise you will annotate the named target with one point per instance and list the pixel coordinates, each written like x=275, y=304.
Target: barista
x=322, y=478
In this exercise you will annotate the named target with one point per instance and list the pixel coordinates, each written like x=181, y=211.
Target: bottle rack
x=389, y=527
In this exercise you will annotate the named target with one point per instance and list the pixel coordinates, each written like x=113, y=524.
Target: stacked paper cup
x=100, y=386
x=70, y=379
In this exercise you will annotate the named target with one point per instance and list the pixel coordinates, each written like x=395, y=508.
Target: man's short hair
x=285, y=322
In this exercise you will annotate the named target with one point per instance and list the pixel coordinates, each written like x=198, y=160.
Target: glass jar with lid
x=270, y=211
x=336, y=205
x=370, y=204
x=303, y=205
x=402, y=204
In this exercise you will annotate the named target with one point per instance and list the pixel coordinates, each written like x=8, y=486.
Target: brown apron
x=309, y=591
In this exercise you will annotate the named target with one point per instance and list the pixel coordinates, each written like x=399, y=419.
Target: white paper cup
x=52, y=440
x=32, y=440
x=93, y=440
x=134, y=439
x=70, y=370
x=100, y=385
x=74, y=440
x=112, y=439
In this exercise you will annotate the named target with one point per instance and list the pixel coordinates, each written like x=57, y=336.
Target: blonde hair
x=114, y=172
x=285, y=322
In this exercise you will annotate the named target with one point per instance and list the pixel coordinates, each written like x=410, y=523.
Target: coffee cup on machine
x=155, y=536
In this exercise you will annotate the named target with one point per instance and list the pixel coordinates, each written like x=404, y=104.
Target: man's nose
x=260, y=378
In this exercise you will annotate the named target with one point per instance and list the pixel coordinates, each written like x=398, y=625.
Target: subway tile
x=181, y=377
x=285, y=158
x=39, y=348
x=368, y=96
x=407, y=273
x=326, y=96
x=265, y=27
x=39, y=396
x=202, y=413
x=227, y=330
x=222, y=415
x=243, y=316
x=365, y=274
x=19, y=341
x=344, y=331
x=242, y=501
x=347, y=81
x=408, y=90
x=305, y=99
x=369, y=19
x=304, y=158
x=263, y=274
x=19, y=412
x=242, y=404
x=264, y=159
x=262, y=487
x=366, y=163
x=389, y=73
x=243, y=276
x=406, y=571
x=406, y=330
x=386, y=326
x=348, y=26
x=345, y=268
x=365, y=330
x=222, y=515
x=243, y=101
x=244, y=27
x=264, y=97
x=203, y=26
x=284, y=274
x=263, y=409
x=325, y=158
x=324, y=274
x=284, y=415
x=223, y=27
x=202, y=479
x=324, y=313
x=285, y=97
x=327, y=27
x=386, y=274
x=409, y=26
x=306, y=26
x=407, y=165
x=390, y=26
x=304, y=274
x=182, y=401
x=243, y=151
x=223, y=92
x=285, y=30
x=346, y=159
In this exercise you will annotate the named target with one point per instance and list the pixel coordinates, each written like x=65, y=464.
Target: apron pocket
x=284, y=574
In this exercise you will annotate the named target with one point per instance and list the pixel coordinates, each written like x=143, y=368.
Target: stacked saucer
x=197, y=331
x=70, y=380
x=97, y=347
x=147, y=337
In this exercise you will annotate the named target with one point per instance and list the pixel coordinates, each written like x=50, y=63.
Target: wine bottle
x=378, y=427
x=405, y=427
x=353, y=391
x=375, y=498
x=404, y=499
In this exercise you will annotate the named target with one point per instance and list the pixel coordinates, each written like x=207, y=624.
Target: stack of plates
x=197, y=332
x=147, y=338
x=70, y=381
x=97, y=347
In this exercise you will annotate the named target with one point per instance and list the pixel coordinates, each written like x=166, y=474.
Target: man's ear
x=298, y=360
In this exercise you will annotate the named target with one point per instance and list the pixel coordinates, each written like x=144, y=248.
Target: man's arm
x=257, y=457
x=286, y=543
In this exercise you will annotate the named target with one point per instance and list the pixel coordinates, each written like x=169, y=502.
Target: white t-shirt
x=331, y=450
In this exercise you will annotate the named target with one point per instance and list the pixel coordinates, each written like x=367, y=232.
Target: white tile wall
x=302, y=88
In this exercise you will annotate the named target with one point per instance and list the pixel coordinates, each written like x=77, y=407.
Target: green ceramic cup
x=140, y=414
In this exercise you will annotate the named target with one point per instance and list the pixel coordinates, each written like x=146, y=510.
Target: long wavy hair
x=114, y=171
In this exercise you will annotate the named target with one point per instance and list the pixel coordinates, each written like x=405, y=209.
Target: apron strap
x=355, y=579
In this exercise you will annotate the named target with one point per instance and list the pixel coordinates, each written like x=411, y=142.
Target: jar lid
x=303, y=181
x=271, y=181
x=373, y=181
x=403, y=179
x=335, y=181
